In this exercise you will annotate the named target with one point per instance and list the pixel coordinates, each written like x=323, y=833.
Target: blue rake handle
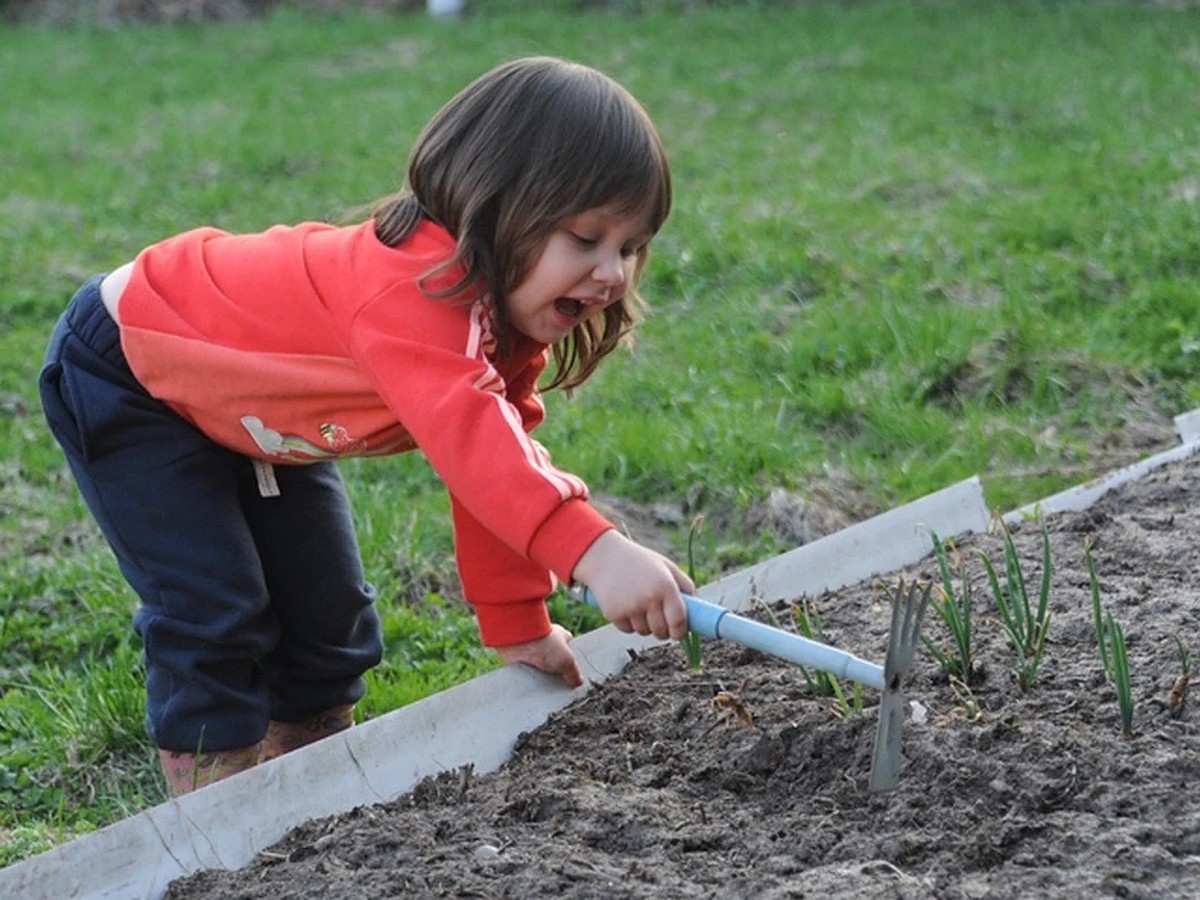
x=712, y=621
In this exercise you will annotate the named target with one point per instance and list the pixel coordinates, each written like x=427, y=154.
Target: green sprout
x=821, y=683
x=1026, y=628
x=1187, y=662
x=1110, y=643
x=1097, y=611
x=691, y=642
x=1179, y=690
x=954, y=609
x=1120, y=671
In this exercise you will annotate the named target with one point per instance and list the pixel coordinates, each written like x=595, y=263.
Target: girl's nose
x=610, y=271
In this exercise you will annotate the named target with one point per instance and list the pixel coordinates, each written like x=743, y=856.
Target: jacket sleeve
x=507, y=590
x=519, y=521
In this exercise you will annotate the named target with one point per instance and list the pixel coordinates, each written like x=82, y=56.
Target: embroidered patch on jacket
x=339, y=439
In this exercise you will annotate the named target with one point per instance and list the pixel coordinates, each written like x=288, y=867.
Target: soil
x=652, y=786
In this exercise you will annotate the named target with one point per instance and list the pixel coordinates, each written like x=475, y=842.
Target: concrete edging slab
x=1187, y=427
x=881, y=544
x=477, y=723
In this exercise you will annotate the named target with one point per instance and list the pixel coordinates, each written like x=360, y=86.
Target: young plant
x=1110, y=643
x=1026, y=627
x=691, y=643
x=954, y=609
x=969, y=706
x=1120, y=672
x=1187, y=661
x=1097, y=611
x=1179, y=690
x=821, y=683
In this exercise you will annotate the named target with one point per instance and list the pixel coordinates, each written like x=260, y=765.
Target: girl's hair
x=522, y=148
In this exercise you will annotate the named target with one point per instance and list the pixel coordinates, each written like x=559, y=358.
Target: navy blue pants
x=252, y=608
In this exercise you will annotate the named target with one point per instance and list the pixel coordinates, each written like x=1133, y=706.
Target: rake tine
x=908, y=614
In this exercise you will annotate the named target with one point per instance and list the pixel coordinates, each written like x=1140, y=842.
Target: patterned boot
x=284, y=737
x=187, y=771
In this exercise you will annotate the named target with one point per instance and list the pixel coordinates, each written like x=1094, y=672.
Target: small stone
x=486, y=851
x=920, y=712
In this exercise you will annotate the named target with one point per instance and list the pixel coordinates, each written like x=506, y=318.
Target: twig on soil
x=1178, y=694
x=732, y=707
x=970, y=708
x=891, y=868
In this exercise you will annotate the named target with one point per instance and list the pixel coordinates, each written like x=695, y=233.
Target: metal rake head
x=909, y=602
x=908, y=611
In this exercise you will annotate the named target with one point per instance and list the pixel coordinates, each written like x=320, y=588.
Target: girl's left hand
x=550, y=654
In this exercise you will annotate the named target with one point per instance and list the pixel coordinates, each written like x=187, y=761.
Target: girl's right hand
x=636, y=588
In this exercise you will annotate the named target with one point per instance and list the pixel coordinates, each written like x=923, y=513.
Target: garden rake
x=908, y=611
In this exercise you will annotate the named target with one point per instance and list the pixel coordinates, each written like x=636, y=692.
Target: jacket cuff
x=501, y=624
x=565, y=537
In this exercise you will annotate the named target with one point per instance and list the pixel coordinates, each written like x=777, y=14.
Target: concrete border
x=880, y=544
x=1187, y=426
x=477, y=723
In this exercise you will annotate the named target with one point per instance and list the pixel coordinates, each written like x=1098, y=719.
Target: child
x=202, y=393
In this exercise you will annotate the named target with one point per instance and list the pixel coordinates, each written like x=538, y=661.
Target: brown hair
x=503, y=163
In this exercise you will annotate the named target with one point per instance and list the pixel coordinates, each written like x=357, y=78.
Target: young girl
x=202, y=392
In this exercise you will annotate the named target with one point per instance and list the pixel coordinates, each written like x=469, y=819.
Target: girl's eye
x=583, y=240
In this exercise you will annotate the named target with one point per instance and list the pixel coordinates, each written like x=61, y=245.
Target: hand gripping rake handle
x=712, y=621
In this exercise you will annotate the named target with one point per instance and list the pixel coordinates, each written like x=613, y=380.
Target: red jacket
x=312, y=342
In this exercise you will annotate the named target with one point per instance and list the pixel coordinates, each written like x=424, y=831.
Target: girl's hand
x=550, y=654
x=637, y=589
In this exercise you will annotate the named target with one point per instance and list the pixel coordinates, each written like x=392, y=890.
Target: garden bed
x=647, y=787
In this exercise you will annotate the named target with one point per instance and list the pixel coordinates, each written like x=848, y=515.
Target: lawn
x=912, y=242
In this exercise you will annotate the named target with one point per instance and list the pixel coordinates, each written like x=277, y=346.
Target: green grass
x=913, y=241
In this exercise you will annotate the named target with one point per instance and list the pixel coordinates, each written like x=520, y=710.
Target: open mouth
x=568, y=307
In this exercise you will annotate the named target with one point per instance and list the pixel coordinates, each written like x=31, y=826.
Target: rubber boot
x=284, y=737
x=187, y=771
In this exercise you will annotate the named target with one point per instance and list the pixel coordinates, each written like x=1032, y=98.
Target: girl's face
x=586, y=264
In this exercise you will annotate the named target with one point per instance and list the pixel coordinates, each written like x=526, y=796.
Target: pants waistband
x=88, y=318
